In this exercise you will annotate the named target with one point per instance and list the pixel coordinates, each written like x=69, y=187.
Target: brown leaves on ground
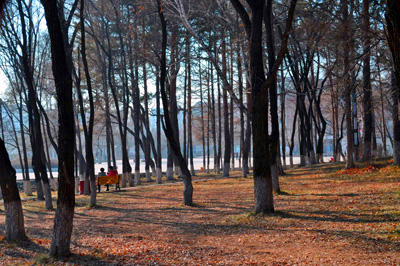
x=322, y=219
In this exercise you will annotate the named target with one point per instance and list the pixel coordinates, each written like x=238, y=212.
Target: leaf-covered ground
x=326, y=216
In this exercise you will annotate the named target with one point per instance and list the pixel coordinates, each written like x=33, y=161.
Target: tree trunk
x=274, y=145
x=146, y=124
x=219, y=128
x=396, y=121
x=88, y=132
x=263, y=196
x=283, y=120
x=63, y=220
x=247, y=137
x=227, y=138
x=393, y=33
x=202, y=117
x=347, y=86
x=27, y=182
x=291, y=147
x=136, y=115
x=189, y=124
x=187, y=178
x=367, y=101
x=242, y=130
x=231, y=112
x=14, y=218
x=185, y=150
x=173, y=106
x=158, y=159
x=382, y=111
x=208, y=116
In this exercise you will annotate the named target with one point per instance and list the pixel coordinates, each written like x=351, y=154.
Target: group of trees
x=124, y=71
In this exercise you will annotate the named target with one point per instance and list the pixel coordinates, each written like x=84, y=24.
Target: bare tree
x=63, y=221
x=393, y=33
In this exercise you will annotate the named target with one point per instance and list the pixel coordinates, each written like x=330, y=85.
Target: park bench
x=108, y=180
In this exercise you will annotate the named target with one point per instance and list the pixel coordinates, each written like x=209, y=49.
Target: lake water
x=198, y=163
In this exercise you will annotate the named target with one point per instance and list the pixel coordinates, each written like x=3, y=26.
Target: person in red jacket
x=111, y=171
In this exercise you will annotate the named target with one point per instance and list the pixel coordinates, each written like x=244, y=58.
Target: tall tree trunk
x=83, y=172
x=136, y=114
x=247, y=137
x=347, y=86
x=169, y=132
x=185, y=150
x=213, y=114
x=27, y=181
x=202, y=117
x=382, y=111
x=393, y=33
x=107, y=111
x=231, y=112
x=395, y=114
x=208, y=116
x=173, y=105
x=367, y=101
x=242, y=130
x=63, y=221
x=146, y=123
x=189, y=92
x=291, y=147
x=334, y=123
x=263, y=196
x=89, y=131
x=232, y=134
x=283, y=119
x=356, y=139
x=274, y=145
x=227, y=138
x=219, y=128
x=158, y=159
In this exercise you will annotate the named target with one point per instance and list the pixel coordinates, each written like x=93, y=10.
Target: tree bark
x=189, y=106
x=14, y=218
x=263, y=196
x=283, y=119
x=393, y=36
x=347, y=86
x=273, y=98
x=89, y=131
x=168, y=129
x=227, y=138
x=63, y=221
x=173, y=105
x=158, y=159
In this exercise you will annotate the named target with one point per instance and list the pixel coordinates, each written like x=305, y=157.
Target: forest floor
x=325, y=216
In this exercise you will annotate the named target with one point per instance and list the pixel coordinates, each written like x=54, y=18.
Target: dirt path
x=324, y=218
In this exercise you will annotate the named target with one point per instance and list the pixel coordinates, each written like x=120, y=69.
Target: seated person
x=102, y=173
x=112, y=171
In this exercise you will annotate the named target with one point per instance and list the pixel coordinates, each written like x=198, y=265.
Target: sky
x=3, y=83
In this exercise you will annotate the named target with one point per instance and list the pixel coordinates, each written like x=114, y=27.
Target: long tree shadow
x=335, y=216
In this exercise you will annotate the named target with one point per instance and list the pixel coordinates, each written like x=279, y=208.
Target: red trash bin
x=82, y=187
